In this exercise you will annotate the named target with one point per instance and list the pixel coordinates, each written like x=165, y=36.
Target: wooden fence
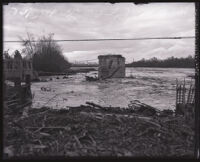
x=185, y=98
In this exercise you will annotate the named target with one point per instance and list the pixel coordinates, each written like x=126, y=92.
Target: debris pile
x=65, y=77
x=90, y=78
x=45, y=89
x=93, y=130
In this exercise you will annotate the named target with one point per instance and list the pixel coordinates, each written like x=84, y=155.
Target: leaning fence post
x=176, y=93
x=184, y=92
x=17, y=82
x=28, y=80
x=184, y=104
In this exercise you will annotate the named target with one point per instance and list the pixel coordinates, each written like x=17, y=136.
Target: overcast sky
x=104, y=20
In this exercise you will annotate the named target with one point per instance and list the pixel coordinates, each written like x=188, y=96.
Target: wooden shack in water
x=111, y=66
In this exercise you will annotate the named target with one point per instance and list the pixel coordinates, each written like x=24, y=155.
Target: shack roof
x=109, y=56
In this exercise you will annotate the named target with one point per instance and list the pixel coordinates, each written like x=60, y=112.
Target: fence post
x=28, y=80
x=28, y=86
x=17, y=82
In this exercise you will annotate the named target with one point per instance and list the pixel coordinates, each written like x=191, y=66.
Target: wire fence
x=185, y=97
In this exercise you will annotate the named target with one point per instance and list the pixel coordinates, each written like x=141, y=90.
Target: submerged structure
x=111, y=66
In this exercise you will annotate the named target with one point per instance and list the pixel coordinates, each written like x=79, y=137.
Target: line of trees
x=46, y=54
x=170, y=62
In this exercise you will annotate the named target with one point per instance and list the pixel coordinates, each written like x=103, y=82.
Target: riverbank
x=96, y=131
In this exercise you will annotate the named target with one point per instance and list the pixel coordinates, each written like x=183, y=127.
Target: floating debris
x=90, y=78
x=47, y=89
x=65, y=77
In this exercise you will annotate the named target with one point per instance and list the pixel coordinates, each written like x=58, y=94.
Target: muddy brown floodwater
x=153, y=86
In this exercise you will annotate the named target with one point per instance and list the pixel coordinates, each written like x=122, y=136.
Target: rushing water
x=153, y=86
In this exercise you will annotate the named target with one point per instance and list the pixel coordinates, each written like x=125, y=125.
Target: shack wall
x=111, y=66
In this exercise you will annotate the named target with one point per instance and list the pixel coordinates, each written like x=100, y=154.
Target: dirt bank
x=92, y=130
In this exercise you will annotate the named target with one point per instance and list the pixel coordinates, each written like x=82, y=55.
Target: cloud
x=104, y=20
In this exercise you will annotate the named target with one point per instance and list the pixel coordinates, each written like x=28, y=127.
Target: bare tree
x=46, y=53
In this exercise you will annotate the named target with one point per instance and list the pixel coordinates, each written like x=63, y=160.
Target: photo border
x=197, y=64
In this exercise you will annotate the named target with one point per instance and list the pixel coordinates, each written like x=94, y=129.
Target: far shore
x=85, y=69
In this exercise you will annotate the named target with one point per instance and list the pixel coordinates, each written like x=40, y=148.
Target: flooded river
x=153, y=86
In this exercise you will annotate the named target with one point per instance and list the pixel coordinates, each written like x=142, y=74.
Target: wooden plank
x=11, y=101
x=184, y=91
x=189, y=95
x=13, y=104
x=176, y=92
x=193, y=95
